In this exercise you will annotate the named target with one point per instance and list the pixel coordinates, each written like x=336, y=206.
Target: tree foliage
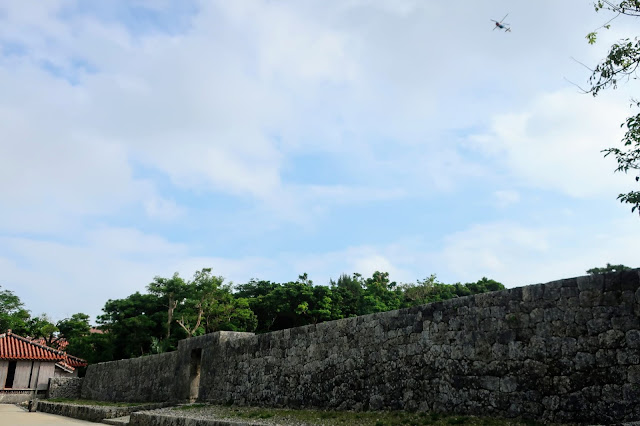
x=41, y=326
x=431, y=290
x=621, y=65
x=607, y=269
x=171, y=291
x=13, y=315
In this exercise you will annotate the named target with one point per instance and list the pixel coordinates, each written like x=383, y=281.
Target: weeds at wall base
x=283, y=416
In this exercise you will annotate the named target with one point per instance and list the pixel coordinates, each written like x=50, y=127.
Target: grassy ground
x=318, y=417
x=90, y=402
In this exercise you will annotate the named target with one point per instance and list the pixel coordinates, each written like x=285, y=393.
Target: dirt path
x=12, y=415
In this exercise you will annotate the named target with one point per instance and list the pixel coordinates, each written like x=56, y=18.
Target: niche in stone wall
x=194, y=374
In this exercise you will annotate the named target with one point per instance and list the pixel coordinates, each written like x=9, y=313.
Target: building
x=26, y=366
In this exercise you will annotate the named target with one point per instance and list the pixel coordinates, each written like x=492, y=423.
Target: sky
x=265, y=139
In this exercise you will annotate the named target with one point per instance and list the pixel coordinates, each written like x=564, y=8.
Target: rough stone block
x=569, y=292
x=589, y=298
x=536, y=315
x=553, y=314
x=628, y=356
x=508, y=384
x=606, y=358
x=552, y=291
x=632, y=338
x=591, y=282
x=611, y=338
x=584, y=361
x=597, y=326
x=532, y=293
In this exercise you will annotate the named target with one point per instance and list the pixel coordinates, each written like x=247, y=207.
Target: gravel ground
x=214, y=412
x=260, y=416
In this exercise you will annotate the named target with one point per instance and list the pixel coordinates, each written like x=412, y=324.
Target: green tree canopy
x=431, y=290
x=13, y=315
x=41, y=326
x=131, y=322
x=74, y=327
x=171, y=292
x=607, y=269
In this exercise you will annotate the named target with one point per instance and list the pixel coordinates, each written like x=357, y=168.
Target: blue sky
x=266, y=139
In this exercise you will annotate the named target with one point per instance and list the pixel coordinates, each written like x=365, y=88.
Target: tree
x=607, y=269
x=380, y=294
x=172, y=291
x=13, y=315
x=420, y=293
x=131, y=322
x=93, y=347
x=75, y=327
x=621, y=64
x=225, y=312
x=201, y=292
x=348, y=293
x=431, y=290
x=257, y=292
x=41, y=326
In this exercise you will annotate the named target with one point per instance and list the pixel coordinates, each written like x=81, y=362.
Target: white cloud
x=506, y=197
x=516, y=254
x=63, y=278
x=556, y=142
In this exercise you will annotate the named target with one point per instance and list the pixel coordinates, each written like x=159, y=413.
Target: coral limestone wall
x=147, y=379
x=568, y=350
x=64, y=387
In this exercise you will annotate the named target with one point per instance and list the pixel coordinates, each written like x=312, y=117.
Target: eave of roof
x=61, y=365
x=14, y=347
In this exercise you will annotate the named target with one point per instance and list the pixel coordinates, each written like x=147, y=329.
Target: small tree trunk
x=172, y=306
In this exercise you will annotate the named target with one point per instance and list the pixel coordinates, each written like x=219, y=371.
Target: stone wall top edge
x=137, y=359
x=501, y=295
x=512, y=292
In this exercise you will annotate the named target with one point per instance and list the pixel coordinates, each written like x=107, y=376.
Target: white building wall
x=4, y=366
x=46, y=372
x=23, y=374
x=34, y=374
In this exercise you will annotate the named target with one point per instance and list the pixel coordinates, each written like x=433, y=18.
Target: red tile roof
x=60, y=343
x=74, y=361
x=14, y=347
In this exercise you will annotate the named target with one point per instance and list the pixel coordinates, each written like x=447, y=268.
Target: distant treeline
x=174, y=308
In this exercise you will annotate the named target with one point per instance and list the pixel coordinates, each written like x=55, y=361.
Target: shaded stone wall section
x=146, y=379
x=64, y=387
x=154, y=378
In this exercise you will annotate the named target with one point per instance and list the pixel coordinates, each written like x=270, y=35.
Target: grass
x=364, y=418
x=90, y=402
x=190, y=407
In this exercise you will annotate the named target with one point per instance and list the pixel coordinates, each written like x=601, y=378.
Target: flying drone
x=502, y=25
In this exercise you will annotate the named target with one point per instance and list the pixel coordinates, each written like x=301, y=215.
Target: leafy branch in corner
x=621, y=65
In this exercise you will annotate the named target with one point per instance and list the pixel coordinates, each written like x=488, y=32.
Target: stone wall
x=64, y=387
x=154, y=378
x=568, y=350
x=565, y=351
x=149, y=379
